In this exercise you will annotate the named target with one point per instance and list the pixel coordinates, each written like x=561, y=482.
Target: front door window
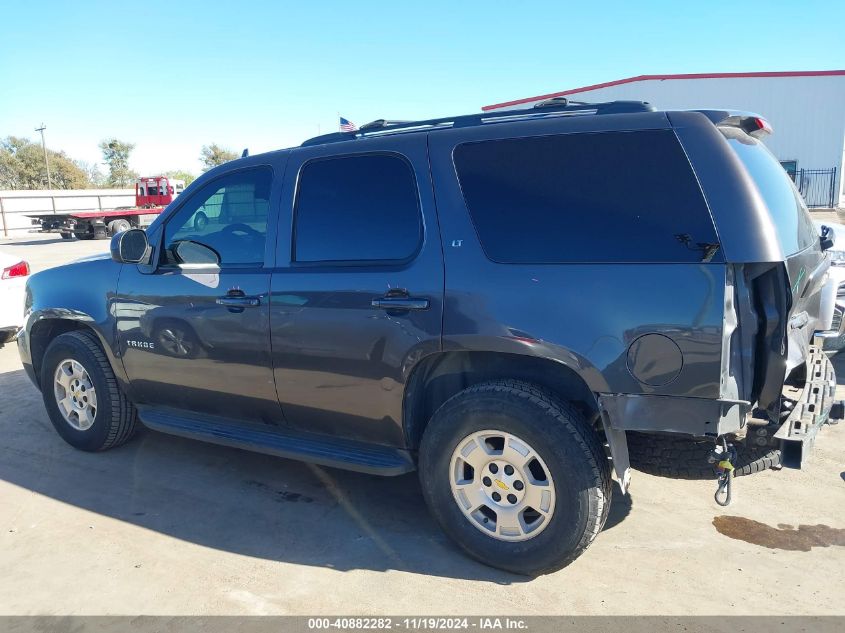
x=227, y=217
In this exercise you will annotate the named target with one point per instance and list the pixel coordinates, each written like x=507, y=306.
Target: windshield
x=792, y=221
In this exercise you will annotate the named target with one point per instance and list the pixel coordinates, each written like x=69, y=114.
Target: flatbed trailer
x=152, y=195
x=92, y=225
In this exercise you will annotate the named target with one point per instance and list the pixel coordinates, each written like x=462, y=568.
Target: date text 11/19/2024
x=418, y=623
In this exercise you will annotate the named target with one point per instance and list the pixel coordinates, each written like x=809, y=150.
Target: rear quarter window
x=586, y=197
x=793, y=225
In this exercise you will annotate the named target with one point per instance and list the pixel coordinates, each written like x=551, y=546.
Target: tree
x=116, y=155
x=96, y=178
x=214, y=155
x=9, y=170
x=181, y=174
x=22, y=167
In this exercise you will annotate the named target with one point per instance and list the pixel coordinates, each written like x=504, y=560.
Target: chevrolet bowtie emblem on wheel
x=502, y=484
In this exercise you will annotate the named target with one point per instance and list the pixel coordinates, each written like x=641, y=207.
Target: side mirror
x=190, y=252
x=129, y=247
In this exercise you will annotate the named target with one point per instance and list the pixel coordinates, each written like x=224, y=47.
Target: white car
x=12, y=288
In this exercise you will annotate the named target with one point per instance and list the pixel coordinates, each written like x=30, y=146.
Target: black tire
x=83, y=235
x=67, y=236
x=118, y=226
x=115, y=418
x=684, y=457
x=560, y=436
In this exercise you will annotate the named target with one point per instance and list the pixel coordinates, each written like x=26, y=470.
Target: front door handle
x=239, y=301
x=401, y=303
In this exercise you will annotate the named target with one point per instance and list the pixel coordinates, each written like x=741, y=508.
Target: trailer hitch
x=723, y=456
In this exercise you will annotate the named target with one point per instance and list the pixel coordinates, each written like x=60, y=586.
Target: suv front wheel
x=82, y=396
x=515, y=476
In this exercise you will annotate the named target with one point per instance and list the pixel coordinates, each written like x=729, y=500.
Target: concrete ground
x=165, y=525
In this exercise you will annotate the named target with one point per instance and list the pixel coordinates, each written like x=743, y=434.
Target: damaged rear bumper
x=814, y=405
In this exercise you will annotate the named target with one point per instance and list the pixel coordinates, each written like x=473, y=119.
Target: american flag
x=347, y=125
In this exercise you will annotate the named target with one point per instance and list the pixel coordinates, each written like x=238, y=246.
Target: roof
x=550, y=108
x=628, y=80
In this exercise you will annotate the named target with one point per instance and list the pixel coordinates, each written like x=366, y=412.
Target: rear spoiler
x=753, y=124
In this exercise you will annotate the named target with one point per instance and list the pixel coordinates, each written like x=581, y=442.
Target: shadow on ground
x=237, y=501
x=43, y=242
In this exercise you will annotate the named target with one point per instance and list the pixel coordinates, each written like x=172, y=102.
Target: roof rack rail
x=565, y=101
x=554, y=107
x=381, y=123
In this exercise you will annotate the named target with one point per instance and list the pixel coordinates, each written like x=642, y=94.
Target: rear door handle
x=401, y=303
x=235, y=301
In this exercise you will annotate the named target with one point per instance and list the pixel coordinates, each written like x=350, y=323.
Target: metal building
x=806, y=111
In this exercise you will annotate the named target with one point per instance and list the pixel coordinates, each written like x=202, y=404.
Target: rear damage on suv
x=777, y=386
x=791, y=379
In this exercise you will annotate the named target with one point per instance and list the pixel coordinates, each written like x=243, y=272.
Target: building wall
x=807, y=113
x=17, y=204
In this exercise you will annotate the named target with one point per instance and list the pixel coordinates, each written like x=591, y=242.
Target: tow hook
x=723, y=456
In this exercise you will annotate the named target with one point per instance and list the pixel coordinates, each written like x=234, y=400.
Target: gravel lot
x=170, y=526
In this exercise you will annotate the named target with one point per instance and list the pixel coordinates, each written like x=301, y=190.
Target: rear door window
x=362, y=208
x=587, y=197
x=792, y=221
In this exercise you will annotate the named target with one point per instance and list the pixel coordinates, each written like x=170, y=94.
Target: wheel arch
x=439, y=376
x=44, y=330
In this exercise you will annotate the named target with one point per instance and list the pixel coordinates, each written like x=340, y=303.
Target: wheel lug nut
x=512, y=498
x=518, y=485
x=494, y=469
x=497, y=496
x=509, y=470
x=486, y=481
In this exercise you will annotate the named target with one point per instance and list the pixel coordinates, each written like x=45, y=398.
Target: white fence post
x=3, y=214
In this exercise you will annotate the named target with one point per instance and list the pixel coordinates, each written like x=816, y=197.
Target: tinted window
x=357, y=208
x=792, y=221
x=791, y=168
x=596, y=197
x=228, y=215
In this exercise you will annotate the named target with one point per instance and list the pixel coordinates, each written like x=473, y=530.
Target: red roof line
x=618, y=82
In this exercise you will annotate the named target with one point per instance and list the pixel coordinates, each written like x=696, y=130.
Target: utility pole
x=46, y=161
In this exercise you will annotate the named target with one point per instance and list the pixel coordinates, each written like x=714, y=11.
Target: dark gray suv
x=500, y=301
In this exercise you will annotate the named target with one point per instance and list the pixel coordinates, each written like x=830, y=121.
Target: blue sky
x=172, y=76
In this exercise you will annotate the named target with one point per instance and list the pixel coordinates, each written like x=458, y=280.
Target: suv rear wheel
x=515, y=476
x=82, y=396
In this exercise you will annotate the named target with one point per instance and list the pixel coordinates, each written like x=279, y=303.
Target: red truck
x=152, y=195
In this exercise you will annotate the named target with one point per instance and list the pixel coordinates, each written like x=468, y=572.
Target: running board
x=281, y=442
